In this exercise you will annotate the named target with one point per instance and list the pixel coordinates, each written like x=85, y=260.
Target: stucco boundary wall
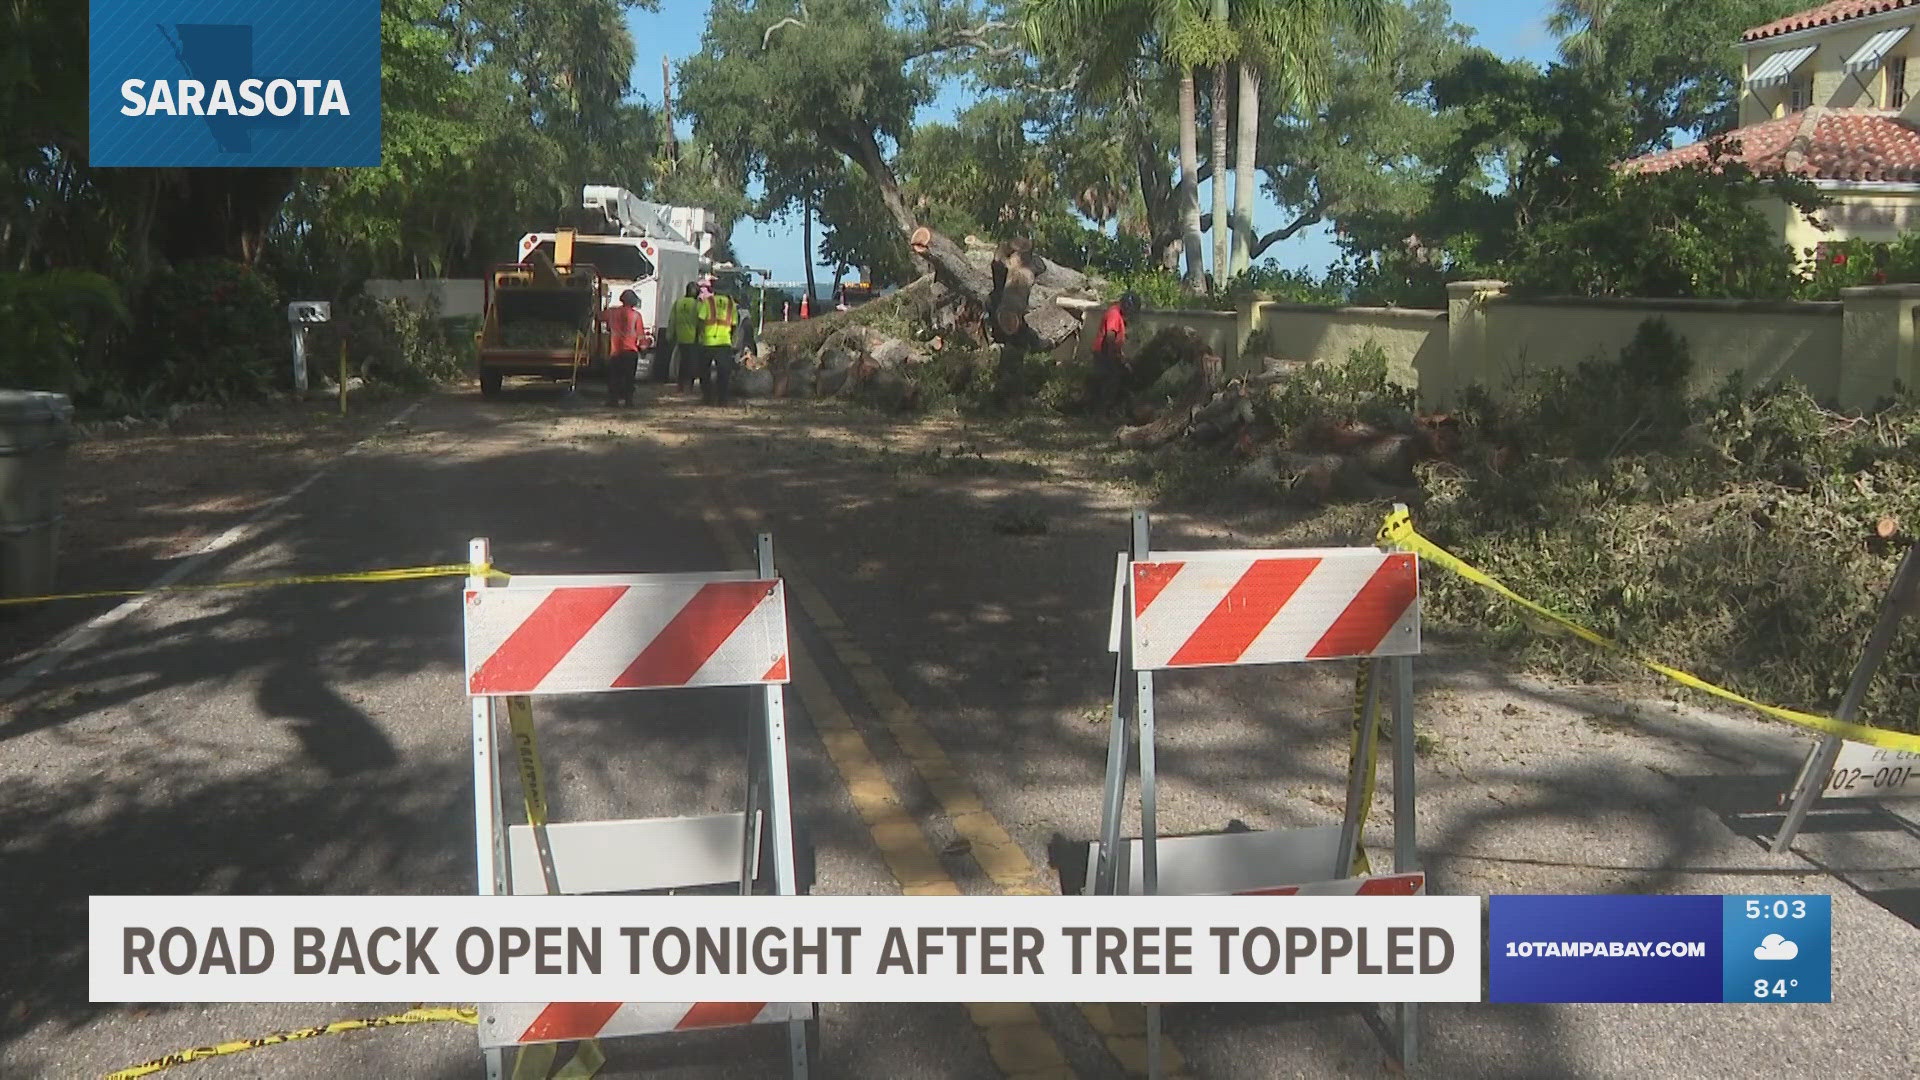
x=457, y=297
x=1853, y=352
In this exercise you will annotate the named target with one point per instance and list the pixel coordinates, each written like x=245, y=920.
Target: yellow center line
x=1121, y=1027
x=1021, y=1046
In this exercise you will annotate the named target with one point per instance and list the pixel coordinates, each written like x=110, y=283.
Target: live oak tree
x=848, y=76
x=1530, y=189
x=1674, y=64
x=853, y=236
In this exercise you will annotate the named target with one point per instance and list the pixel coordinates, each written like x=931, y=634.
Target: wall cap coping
x=1185, y=313
x=1643, y=303
x=1464, y=288
x=1881, y=292
x=1421, y=314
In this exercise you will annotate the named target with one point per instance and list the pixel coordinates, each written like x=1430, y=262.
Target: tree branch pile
x=975, y=294
x=1318, y=456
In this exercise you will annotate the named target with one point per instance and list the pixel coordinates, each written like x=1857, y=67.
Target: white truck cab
x=653, y=249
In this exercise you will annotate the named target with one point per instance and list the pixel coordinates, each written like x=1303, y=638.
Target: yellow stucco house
x=1827, y=95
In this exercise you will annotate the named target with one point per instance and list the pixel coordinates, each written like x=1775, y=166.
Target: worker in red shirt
x=1110, y=352
x=626, y=329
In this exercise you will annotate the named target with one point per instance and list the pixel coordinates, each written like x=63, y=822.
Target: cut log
x=1012, y=274
x=753, y=382
x=1391, y=458
x=1274, y=372
x=1311, y=478
x=1341, y=436
x=892, y=352
x=1222, y=418
x=1178, y=419
x=1170, y=348
x=1045, y=324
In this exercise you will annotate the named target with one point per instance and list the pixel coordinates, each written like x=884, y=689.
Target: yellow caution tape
x=1362, y=681
x=533, y=779
x=586, y=1061
x=411, y=1016
x=534, y=1062
x=403, y=573
x=1398, y=531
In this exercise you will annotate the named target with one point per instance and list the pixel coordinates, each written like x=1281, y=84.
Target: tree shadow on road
x=314, y=739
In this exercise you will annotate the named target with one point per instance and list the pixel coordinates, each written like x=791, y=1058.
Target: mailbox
x=309, y=311
x=300, y=315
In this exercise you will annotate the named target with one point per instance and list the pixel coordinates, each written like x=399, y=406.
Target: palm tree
x=1105, y=39
x=1579, y=24
x=1287, y=41
x=1220, y=47
x=1291, y=43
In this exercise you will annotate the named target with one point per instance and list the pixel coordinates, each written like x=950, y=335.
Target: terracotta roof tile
x=1825, y=15
x=1819, y=144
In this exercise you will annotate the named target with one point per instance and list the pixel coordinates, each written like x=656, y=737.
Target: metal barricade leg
x=1113, y=797
x=489, y=838
x=1807, y=787
x=1104, y=875
x=750, y=821
x=1358, y=780
x=1102, y=868
x=1149, y=787
x=798, y=1059
x=779, y=793
x=779, y=829
x=1143, y=707
x=779, y=816
x=1155, y=1070
x=490, y=856
x=1903, y=595
x=1406, y=855
x=1149, y=869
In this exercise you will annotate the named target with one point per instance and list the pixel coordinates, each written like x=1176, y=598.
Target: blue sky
x=1515, y=28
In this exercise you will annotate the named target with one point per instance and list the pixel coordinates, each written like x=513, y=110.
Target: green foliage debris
x=1747, y=535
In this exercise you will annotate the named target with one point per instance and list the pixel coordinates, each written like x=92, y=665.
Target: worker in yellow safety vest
x=682, y=339
x=716, y=310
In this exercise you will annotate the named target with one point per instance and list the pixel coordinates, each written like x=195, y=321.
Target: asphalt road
x=314, y=740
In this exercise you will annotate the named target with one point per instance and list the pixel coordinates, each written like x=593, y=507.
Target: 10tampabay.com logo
x=236, y=83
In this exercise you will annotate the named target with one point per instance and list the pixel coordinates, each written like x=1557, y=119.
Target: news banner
x=1558, y=948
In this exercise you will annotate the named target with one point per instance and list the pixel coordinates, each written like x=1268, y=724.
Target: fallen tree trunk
x=1021, y=304
x=1180, y=417
x=1041, y=325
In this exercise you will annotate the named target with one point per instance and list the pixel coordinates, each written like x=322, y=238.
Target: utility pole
x=666, y=108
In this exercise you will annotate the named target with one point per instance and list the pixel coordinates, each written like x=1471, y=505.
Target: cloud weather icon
x=1775, y=947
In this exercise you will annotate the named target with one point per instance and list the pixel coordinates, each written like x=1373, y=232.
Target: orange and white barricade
x=582, y=634
x=1199, y=609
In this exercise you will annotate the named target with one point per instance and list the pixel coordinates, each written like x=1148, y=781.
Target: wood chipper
x=541, y=319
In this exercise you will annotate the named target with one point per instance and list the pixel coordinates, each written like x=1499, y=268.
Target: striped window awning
x=1875, y=50
x=1778, y=69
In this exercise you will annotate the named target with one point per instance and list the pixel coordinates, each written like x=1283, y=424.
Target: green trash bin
x=36, y=427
